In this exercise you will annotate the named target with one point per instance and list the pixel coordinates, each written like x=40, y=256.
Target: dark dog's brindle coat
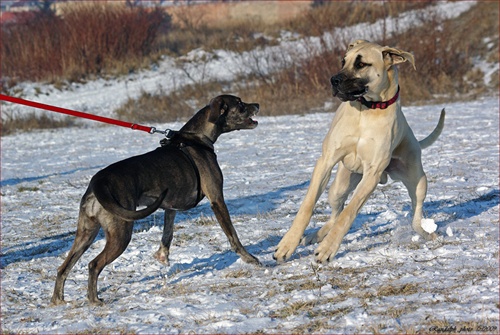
x=174, y=177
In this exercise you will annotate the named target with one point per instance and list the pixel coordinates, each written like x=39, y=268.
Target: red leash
x=133, y=126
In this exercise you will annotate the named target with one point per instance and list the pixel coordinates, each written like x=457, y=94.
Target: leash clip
x=167, y=132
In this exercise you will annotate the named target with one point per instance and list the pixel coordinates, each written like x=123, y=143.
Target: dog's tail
x=427, y=142
x=107, y=201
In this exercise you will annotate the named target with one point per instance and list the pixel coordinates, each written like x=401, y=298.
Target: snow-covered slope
x=103, y=96
x=383, y=279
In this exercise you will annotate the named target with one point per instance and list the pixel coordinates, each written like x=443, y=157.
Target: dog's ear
x=217, y=108
x=393, y=56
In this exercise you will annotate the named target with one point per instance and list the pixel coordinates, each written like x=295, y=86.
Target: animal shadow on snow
x=251, y=205
x=16, y=181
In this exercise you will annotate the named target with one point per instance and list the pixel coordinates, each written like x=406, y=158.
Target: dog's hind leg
x=85, y=234
x=344, y=183
x=168, y=233
x=118, y=235
x=416, y=183
x=411, y=173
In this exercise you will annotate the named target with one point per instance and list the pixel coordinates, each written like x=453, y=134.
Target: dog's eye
x=361, y=65
x=241, y=105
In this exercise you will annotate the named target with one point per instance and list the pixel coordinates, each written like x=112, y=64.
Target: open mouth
x=360, y=93
x=351, y=96
x=251, y=122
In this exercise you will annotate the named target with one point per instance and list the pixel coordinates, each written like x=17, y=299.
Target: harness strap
x=181, y=141
x=199, y=196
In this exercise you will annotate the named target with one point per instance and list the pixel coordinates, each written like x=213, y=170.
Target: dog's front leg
x=222, y=214
x=331, y=243
x=168, y=232
x=343, y=184
x=319, y=180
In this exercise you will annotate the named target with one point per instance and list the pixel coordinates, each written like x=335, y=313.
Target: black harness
x=181, y=141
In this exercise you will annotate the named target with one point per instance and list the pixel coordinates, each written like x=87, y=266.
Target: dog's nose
x=336, y=80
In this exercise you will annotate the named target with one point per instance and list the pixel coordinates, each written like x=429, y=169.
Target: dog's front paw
x=325, y=252
x=56, y=301
x=286, y=248
x=248, y=258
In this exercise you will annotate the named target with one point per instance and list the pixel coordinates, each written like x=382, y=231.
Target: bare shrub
x=31, y=122
x=443, y=53
x=192, y=32
x=302, y=87
x=85, y=40
x=336, y=14
x=179, y=105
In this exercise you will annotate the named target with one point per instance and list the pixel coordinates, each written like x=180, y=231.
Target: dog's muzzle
x=348, y=89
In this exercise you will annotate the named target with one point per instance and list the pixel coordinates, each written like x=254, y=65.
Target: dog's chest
x=353, y=163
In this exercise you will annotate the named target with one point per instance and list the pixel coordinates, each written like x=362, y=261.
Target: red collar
x=379, y=104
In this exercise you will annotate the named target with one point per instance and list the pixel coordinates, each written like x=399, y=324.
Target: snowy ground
x=382, y=280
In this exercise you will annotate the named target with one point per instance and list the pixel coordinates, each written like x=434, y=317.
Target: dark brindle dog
x=174, y=177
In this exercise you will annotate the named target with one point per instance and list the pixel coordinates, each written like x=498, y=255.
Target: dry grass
x=160, y=106
x=85, y=40
x=33, y=121
x=442, y=55
x=335, y=14
x=205, y=220
x=443, y=51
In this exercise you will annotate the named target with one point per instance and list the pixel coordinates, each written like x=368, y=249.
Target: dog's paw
x=431, y=237
x=285, y=249
x=161, y=256
x=248, y=258
x=55, y=301
x=325, y=252
x=95, y=300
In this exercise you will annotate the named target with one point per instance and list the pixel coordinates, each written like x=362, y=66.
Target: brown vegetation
x=88, y=42
x=443, y=51
x=85, y=40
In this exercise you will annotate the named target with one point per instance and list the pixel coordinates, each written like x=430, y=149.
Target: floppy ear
x=393, y=56
x=217, y=108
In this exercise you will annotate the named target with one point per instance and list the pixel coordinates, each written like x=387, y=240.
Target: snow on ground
x=383, y=279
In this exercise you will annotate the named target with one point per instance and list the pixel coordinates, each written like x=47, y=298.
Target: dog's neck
x=182, y=139
x=379, y=104
x=199, y=126
x=197, y=139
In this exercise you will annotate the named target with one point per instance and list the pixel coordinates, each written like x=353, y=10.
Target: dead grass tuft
x=205, y=220
x=33, y=121
x=393, y=290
